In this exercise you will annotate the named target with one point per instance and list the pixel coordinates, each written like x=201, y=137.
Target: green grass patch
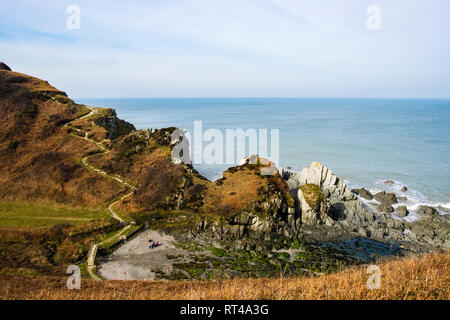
x=131, y=229
x=22, y=214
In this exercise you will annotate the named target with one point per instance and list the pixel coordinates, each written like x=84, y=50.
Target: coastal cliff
x=53, y=150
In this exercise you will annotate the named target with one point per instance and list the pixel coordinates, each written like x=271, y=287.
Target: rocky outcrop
x=314, y=206
x=363, y=193
x=114, y=126
x=277, y=220
x=386, y=198
x=326, y=210
x=386, y=208
x=401, y=211
x=331, y=185
x=349, y=216
x=427, y=210
x=343, y=204
x=3, y=66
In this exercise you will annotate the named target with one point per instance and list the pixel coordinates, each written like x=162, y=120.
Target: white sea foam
x=414, y=199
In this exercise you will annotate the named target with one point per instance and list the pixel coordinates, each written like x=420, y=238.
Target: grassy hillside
x=53, y=207
x=38, y=155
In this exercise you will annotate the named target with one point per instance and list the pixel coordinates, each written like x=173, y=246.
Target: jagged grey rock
x=386, y=197
x=386, y=208
x=320, y=175
x=401, y=211
x=318, y=215
x=363, y=193
x=427, y=210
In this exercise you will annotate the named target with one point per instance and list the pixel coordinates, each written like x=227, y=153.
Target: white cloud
x=231, y=47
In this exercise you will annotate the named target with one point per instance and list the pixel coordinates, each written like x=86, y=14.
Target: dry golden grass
x=98, y=134
x=82, y=124
x=235, y=193
x=424, y=277
x=32, y=83
x=42, y=165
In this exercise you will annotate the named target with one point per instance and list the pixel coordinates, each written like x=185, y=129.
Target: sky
x=232, y=48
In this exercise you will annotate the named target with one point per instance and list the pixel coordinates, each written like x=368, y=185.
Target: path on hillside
x=84, y=161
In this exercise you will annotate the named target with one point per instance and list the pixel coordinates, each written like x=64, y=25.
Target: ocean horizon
x=365, y=141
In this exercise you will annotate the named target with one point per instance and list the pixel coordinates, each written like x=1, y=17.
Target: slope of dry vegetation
x=38, y=157
x=45, y=250
x=425, y=277
x=166, y=188
x=52, y=207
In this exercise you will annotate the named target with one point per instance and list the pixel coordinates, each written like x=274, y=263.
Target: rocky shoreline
x=338, y=212
x=325, y=228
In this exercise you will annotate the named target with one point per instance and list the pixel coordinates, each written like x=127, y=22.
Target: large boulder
x=363, y=193
x=387, y=198
x=314, y=206
x=427, y=210
x=386, y=208
x=402, y=211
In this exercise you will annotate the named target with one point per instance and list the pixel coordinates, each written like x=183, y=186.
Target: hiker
x=149, y=240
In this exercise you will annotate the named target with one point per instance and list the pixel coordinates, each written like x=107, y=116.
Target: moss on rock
x=312, y=194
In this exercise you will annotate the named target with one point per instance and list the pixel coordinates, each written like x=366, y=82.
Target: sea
x=363, y=141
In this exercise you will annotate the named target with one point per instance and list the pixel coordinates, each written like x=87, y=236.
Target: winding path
x=84, y=161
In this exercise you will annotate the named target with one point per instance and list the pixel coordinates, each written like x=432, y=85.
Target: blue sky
x=232, y=48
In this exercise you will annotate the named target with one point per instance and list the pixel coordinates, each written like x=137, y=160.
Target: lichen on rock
x=313, y=194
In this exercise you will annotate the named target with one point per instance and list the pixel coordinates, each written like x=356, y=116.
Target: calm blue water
x=365, y=141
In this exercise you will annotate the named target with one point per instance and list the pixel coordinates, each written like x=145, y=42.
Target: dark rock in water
x=402, y=211
x=386, y=197
x=427, y=210
x=386, y=208
x=389, y=182
x=4, y=67
x=363, y=193
x=404, y=189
